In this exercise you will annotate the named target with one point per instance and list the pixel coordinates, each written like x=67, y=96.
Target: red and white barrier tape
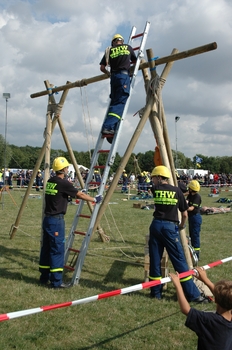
x=11, y=315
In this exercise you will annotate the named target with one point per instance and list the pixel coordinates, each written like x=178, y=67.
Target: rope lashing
x=153, y=59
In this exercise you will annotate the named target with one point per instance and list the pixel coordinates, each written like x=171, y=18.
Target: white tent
x=80, y=167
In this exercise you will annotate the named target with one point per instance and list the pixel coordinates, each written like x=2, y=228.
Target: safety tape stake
x=134, y=288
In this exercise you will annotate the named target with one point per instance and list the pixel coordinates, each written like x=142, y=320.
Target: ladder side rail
x=84, y=246
x=140, y=52
x=71, y=236
x=110, y=160
x=133, y=31
x=94, y=161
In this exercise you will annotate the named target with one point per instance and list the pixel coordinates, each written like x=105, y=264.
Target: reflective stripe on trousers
x=165, y=234
x=52, y=252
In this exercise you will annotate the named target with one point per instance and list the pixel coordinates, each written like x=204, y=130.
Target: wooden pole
x=183, y=54
x=166, y=59
x=155, y=117
x=163, y=78
x=125, y=158
x=14, y=227
x=161, y=135
x=48, y=134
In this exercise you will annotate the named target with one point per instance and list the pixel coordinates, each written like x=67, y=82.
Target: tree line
x=25, y=157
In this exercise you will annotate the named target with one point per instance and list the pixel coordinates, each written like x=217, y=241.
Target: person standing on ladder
x=164, y=233
x=58, y=189
x=119, y=57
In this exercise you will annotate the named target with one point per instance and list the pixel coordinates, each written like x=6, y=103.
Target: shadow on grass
x=112, y=279
x=21, y=261
x=102, y=343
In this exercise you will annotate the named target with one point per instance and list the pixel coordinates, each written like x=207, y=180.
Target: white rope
x=120, y=234
x=90, y=124
x=85, y=124
x=154, y=87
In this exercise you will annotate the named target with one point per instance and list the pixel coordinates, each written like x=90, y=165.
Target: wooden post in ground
x=14, y=227
x=159, y=127
x=47, y=136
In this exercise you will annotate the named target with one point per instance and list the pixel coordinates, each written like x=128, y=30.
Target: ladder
x=74, y=258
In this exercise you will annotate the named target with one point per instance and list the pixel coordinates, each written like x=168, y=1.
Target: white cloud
x=64, y=41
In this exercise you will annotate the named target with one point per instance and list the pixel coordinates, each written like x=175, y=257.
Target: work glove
x=98, y=198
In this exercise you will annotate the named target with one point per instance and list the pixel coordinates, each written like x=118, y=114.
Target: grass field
x=131, y=322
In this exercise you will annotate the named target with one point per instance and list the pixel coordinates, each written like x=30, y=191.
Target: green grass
x=132, y=321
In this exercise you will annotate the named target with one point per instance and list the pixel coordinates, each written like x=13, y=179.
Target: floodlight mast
x=6, y=96
x=176, y=120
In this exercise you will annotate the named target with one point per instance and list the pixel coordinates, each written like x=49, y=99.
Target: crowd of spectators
x=141, y=181
x=210, y=179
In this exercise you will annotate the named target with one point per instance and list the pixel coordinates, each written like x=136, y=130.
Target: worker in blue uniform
x=119, y=57
x=164, y=233
x=124, y=182
x=194, y=215
x=58, y=190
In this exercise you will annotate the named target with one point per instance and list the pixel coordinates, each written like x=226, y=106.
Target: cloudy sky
x=64, y=41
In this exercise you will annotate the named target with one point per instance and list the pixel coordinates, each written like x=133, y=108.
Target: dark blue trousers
x=52, y=252
x=120, y=89
x=195, y=222
x=165, y=234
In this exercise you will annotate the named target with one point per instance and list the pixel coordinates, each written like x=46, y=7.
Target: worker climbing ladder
x=74, y=258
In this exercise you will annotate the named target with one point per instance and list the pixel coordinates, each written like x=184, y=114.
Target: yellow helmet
x=60, y=163
x=118, y=36
x=161, y=170
x=194, y=186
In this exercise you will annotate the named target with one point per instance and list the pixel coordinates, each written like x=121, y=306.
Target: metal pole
x=6, y=96
x=5, y=145
x=176, y=120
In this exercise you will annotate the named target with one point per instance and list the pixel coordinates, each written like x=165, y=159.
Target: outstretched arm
x=202, y=276
x=86, y=197
x=184, y=305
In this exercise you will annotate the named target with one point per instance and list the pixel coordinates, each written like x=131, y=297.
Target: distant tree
x=146, y=161
x=26, y=157
x=226, y=165
x=5, y=153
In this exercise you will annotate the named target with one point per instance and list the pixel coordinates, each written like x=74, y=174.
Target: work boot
x=107, y=132
x=62, y=286
x=201, y=300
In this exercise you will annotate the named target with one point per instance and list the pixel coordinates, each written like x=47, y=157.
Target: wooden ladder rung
x=84, y=216
x=74, y=250
x=80, y=233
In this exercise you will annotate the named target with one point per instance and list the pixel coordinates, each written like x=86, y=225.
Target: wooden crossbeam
x=79, y=83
